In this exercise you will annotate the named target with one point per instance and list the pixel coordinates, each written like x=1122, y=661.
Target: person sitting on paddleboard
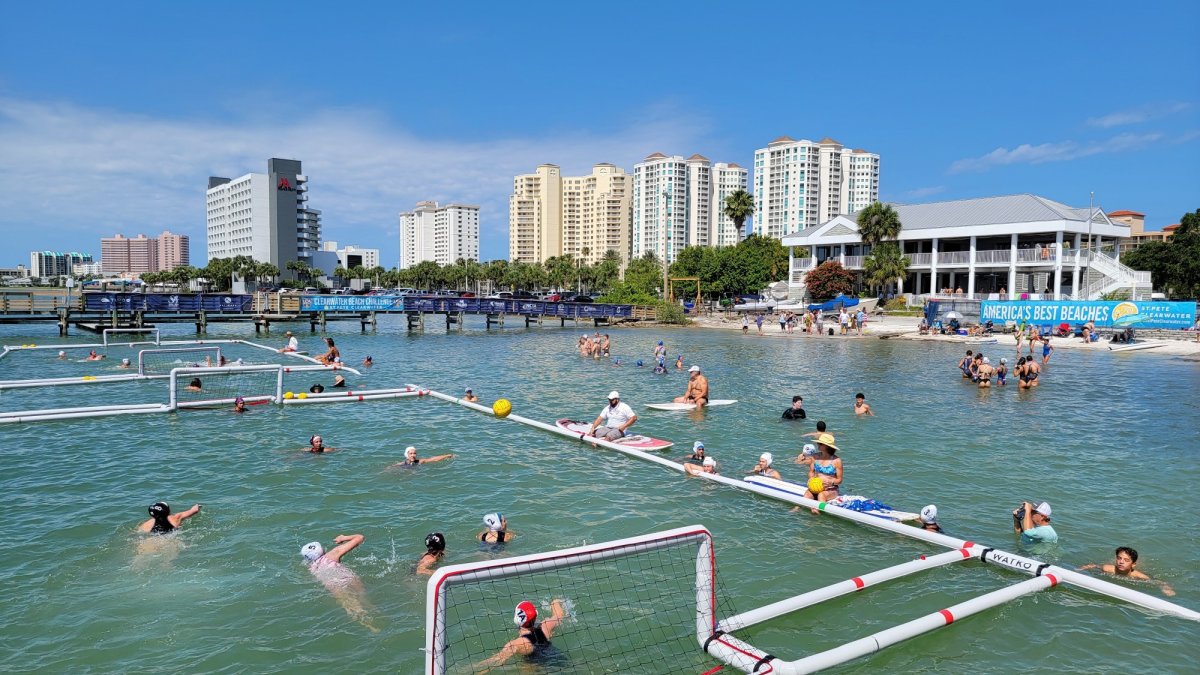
x=497, y=529
x=617, y=418
x=435, y=550
x=929, y=519
x=697, y=389
x=709, y=465
x=411, y=459
x=827, y=468
x=532, y=638
x=763, y=468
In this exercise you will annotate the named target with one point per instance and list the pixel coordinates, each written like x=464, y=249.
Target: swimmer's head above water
x=312, y=551
x=435, y=543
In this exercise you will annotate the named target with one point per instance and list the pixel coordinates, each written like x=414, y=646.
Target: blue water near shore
x=1111, y=440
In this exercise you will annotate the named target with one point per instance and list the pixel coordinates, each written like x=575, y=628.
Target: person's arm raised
x=345, y=544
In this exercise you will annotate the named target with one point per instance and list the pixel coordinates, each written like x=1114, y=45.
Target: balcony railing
x=1001, y=256
x=919, y=259
x=853, y=262
x=954, y=257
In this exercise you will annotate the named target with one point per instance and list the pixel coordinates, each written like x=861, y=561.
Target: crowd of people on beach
x=811, y=322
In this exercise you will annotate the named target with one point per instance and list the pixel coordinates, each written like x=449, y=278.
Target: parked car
x=553, y=297
x=523, y=295
x=580, y=298
x=466, y=294
x=502, y=295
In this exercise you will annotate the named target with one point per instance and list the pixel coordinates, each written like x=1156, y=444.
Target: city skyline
x=955, y=104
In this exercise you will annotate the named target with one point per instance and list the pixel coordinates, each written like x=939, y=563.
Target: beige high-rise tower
x=551, y=215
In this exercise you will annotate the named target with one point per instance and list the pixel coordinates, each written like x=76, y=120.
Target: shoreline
x=902, y=328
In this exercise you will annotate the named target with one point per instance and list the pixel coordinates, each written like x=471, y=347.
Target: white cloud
x=70, y=169
x=1137, y=115
x=1054, y=152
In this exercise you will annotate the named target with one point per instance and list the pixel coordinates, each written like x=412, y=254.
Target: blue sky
x=113, y=115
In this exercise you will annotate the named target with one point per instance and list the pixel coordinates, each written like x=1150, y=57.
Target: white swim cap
x=1003, y=360
x=62, y=352
x=709, y=461
x=986, y=360
x=312, y=550
x=929, y=514
x=698, y=445
x=766, y=458
x=493, y=521
x=410, y=450
x=810, y=450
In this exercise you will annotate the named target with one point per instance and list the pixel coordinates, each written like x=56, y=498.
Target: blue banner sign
x=1102, y=313
x=168, y=302
x=351, y=303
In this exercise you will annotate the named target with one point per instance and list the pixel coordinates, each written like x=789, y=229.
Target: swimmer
x=964, y=365
x=616, y=363
x=62, y=355
x=368, y=362
x=435, y=550
x=339, y=382
x=821, y=429
x=222, y=361
x=660, y=351
x=532, y=638
x=640, y=364
x=194, y=385
x=796, y=411
x=1002, y=372
x=93, y=356
x=763, y=468
x=1125, y=565
x=125, y=363
x=606, y=345
x=293, y=345
x=411, y=459
x=807, y=455
x=163, y=521
x=679, y=362
x=316, y=445
x=929, y=519
x=342, y=583
x=239, y=405
x=697, y=389
x=697, y=456
x=660, y=368
x=497, y=529
x=708, y=465
x=984, y=373
x=827, y=467
x=1029, y=375
x=316, y=388
x=470, y=396
x=861, y=407
x=1046, y=349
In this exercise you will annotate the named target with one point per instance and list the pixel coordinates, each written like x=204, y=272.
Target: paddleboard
x=635, y=441
x=689, y=406
x=1135, y=346
x=798, y=490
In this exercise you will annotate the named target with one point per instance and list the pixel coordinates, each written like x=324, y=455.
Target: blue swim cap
x=660, y=343
x=639, y=363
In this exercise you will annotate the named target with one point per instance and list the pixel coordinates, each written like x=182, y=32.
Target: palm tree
x=878, y=222
x=885, y=264
x=739, y=205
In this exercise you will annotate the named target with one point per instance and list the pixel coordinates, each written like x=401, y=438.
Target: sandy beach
x=904, y=328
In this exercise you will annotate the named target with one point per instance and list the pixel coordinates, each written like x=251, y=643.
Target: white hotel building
x=441, y=234
x=801, y=184
x=1017, y=243
x=680, y=202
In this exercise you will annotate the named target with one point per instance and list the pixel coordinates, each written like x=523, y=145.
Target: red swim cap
x=525, y=614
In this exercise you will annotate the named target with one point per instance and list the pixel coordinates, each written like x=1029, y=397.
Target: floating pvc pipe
x=78, y=379
x=357, y=392
x=207, y=403
x=777, y=609
x=112, y=408
x=80, y=413
x=350, y=399
x=784, y=491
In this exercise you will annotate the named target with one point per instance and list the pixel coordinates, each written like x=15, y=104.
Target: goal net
x=643, y=604
x=160, y=362
x=205, y=387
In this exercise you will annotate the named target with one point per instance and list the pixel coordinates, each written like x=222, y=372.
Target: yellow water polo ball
x=816, y=486
x=302, y=395
x=288, y=395
x=502, y=408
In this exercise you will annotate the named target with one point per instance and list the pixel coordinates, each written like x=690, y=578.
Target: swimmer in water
x=497, y=529
x=708, y=465
x=807, y=455
x=93, y=356
x=763, y=468
x=1125, y=565
x=316, y=446
x=316, y=388
x=929, y=519
x=1002, y=372
x=62, y=355
x=435, y=550
x=342, y=583
x=125, y=363
x=964, y=365
x=861, y=407
x=532, y=637
x=411, y=459
x=163, y=521
x=194, y=385
x=679, y=362
x=368, y=362
x=821, y=429
x=1046, y=349
x=470, y=396
x=339, y=382
x=239, y=405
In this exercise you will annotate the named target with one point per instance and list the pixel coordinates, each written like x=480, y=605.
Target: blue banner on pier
x=351, y=303
x=168, y=302
x=1102, y=313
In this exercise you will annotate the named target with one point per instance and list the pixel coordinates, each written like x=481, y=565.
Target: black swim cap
x=159, y=510
x=435, y=542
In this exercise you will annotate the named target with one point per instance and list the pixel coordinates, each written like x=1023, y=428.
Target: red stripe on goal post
x=858, y=583
x=946, y=613
x=710, y=671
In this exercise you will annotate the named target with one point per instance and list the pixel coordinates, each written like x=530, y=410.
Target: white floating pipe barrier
x=51, y=411
x=784, y=491
x=78, y=379
x=340, y=393
x=748, y=658
x=852, y=585
x=81, y=413
x=350, y=399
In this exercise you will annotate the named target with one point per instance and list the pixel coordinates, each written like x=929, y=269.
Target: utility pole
x=1087, y=282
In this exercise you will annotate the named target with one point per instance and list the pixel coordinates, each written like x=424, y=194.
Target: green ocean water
x=1111, y=440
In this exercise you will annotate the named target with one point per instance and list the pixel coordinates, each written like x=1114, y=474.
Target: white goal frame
x=695, y=536
x=213, y=350
x=178, y=374
x=140, y=331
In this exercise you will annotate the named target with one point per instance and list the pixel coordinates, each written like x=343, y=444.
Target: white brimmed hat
x=614, y=394
x=694, y=369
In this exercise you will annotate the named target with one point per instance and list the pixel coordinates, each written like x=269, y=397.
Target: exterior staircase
x=1105, y=275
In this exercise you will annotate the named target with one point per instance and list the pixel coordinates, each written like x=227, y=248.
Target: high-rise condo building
x=441, y=234
x=353, y=256
x=174, y=250
x=799, y=184
x=585, y=217
x=141, y=254
x=43, y=264
x=263, y=216
x=680, y=202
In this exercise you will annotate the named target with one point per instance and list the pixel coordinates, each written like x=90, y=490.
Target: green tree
x=885, y=264
x=828, y=280
x=426, y=275
x=739, y=206
x=878, y=222
x=644, y=275
x=1153, y=257
x=606, y=273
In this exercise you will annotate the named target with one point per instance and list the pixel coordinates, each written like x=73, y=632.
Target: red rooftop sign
x=285, y=185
